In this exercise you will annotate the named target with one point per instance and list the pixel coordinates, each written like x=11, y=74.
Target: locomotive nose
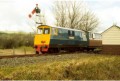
x=43, y=41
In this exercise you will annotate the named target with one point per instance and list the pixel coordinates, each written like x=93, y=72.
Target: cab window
x=46, y=30
x=40, y=31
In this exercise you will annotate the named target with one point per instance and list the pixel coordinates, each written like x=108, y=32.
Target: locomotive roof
x=65, y=28
x=62, y=28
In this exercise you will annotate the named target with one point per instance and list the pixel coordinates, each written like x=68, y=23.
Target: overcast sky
x=14, y=13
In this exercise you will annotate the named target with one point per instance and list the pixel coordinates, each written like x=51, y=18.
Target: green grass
x=62, y=67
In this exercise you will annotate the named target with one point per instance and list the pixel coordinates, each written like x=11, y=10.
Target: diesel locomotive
x=50, y=39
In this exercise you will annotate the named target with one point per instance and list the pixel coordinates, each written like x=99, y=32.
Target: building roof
x=110, y=28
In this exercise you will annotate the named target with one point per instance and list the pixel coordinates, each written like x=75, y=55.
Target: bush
x=15, y=40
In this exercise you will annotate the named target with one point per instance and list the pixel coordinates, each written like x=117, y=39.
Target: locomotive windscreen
x=44, y=31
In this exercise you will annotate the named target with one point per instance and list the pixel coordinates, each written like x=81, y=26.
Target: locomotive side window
x=54, y=31
x=90, y=35
x=97, y=36
x=46, y=30
x=71, y=33
x=80, y=34
x=40, y=31
x=84, y=36
x=60, y=31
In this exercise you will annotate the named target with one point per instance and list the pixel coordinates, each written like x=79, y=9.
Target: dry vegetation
x=17, y=51
x=16, y=43
x=62, y=67
x=10, y=40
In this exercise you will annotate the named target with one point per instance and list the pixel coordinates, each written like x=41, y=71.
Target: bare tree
x=72, y=14
x=88, y=21
x=59, y=10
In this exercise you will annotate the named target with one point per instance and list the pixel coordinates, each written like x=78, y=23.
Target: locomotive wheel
x=54, y=50
x=37, y=52
x=43, y=52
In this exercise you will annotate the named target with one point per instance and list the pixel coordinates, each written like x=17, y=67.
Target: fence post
x=24, y=50
x=13, y=51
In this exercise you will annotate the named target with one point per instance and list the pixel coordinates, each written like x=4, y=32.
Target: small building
x=111, y=40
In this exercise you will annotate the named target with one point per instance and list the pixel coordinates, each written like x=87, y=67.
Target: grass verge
x=17, y=51
x=64, y=67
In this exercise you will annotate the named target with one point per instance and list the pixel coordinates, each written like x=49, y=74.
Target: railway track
x=28, y=55
x=36, y=55
x=18, y=56
x=31, y=55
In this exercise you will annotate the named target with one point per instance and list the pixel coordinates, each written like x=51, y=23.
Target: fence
x=17, y=51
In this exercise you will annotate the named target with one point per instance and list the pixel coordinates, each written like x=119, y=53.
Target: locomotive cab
x=42, y=39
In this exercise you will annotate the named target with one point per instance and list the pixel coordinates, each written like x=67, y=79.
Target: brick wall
x=111, y=49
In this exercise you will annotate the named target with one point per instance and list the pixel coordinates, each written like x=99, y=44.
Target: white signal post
x=37, y=21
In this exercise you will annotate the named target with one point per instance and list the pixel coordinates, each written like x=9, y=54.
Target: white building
x=111, y=40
